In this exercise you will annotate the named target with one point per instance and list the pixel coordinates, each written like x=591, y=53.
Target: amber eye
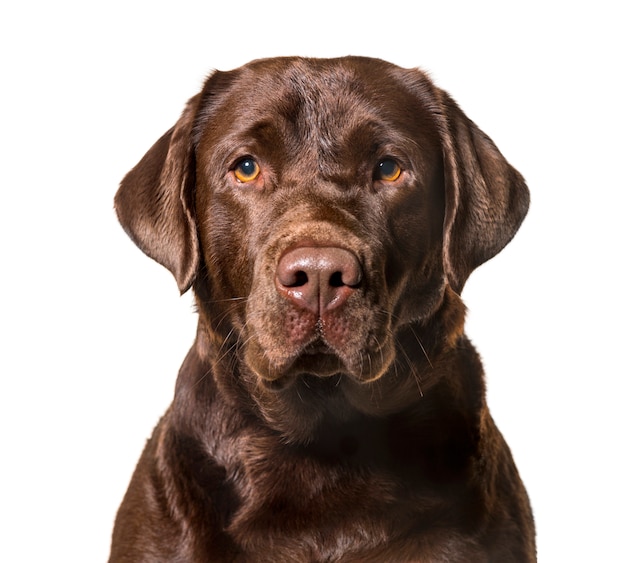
x=387, y=170
x=246, y=170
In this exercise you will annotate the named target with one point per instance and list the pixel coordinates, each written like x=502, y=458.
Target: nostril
x=291, y=274
x=349, y=275
x=336, y=280
x=299, y=279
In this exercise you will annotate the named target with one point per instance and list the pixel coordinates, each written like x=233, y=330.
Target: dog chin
x=308, y=383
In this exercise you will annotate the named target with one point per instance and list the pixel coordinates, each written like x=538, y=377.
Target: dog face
x=320, y=197
x=322, y=210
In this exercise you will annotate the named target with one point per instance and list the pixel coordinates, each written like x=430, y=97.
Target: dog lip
x=317, y=360
x=279, y=384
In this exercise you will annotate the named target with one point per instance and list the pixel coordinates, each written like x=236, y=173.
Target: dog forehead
x=309, y=92
x=322, y=102
x=316, y=83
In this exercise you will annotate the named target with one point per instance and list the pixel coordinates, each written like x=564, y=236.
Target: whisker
x=421, y=346
x=227, y=299
x=202, y=377
x=228, y=350
x=300, y=396
x=410, y=326
x=412, y=369
x=361, y=364
x=380, y=351
x=228, y=336
x=227, y=312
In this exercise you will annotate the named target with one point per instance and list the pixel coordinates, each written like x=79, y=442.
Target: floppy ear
x=486, y=198
x=154, y=203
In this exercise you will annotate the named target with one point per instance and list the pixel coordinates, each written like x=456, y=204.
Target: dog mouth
x=319, y=367
x=316, y=362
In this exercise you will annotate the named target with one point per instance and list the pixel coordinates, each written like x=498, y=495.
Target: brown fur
x=345, y=422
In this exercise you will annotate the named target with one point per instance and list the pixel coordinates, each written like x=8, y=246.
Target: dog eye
x=387, y=170
x=246, y=170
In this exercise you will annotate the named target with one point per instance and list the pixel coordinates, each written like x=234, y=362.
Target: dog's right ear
x=155, y=205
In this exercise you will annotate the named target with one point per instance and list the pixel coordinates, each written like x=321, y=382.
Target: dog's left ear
x=486, y=198
x=154, y=203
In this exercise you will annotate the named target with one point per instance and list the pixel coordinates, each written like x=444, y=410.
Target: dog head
x=320, y=209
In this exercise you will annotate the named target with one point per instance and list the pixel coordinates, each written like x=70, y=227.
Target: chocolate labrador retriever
x=327, y=214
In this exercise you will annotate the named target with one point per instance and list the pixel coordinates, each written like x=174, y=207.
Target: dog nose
x=318, y=279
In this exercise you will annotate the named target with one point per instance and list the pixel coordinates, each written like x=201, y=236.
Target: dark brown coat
x=327, y=214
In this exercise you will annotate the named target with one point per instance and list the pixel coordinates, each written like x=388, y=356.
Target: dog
x=327, y=214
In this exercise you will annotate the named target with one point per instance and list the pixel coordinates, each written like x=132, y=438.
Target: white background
x=93, y=332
